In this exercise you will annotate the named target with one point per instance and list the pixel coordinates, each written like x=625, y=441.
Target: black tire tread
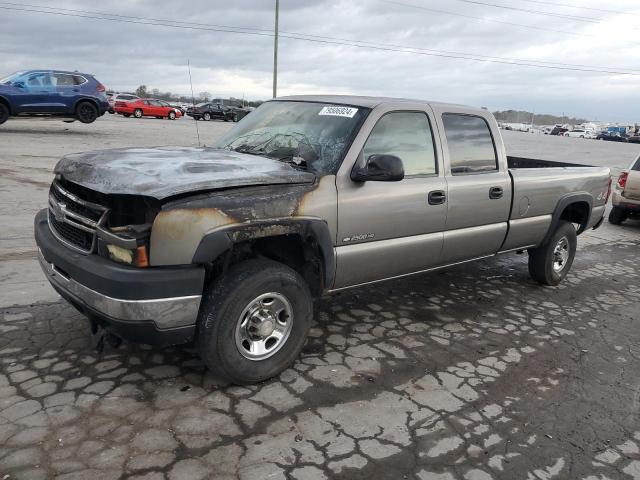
x=540, y=267
x=617, y=216
x=220, y=295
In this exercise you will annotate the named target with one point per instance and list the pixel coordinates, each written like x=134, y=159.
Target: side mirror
x=379, y=168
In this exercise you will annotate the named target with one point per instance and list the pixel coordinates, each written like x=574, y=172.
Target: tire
x=137, y=113
x=235, y=118
x=550, y=262
x=171, y=116
x=222, y=340
x=86, y=112
x=111, y=111
x=617, y=216
x=206, y=116
x=4, y=113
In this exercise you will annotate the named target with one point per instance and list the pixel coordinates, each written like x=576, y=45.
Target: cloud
x=125, y=55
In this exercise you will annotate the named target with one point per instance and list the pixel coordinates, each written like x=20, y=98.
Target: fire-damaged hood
x=162, y=172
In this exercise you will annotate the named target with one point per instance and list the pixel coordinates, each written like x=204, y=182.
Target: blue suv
x=52, y=93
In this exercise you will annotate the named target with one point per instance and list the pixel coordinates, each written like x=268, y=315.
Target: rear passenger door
x=479, y=187
x=389, y=229
x=67, y=91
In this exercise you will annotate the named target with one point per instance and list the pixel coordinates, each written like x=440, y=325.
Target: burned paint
x=249, y=213
x=176, y=234
x=163, y=172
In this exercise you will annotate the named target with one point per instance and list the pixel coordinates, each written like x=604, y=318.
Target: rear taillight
x=608, y=189
x=622, y=179
x=100, y=87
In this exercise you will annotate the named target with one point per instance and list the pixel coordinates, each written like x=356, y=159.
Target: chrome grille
x=74, y=220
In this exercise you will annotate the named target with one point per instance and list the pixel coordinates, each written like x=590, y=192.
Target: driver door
x=36, y=93
x=390, y=229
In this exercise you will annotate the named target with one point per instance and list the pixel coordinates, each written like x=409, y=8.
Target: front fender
x=216, y=243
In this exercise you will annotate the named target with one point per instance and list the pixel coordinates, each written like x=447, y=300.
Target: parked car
x=626, y=195
x=633, y=139
x=558, y=130
x=209, y=111
x=52, y=93
x=228, y=246
x=579, y=133
x=147, y=107
x=612, y=136
x=120, y=97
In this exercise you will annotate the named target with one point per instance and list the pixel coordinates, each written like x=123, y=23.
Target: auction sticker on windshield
x=337, y=111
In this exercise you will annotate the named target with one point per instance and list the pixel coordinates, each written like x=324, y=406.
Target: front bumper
x=154, y=305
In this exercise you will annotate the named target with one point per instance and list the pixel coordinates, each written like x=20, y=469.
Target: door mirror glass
x=380, y=168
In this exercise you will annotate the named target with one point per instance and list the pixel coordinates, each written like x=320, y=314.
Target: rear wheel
x=206, y=116
x=137, y=113
x=253, y=321
x=86, y=112
x=235, y=117
x=550, y=262
x=172, y=115
x=617, y=216
x=4, y=113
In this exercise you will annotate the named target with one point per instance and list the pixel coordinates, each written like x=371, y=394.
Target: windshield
x=11, y=78
x=312, y=135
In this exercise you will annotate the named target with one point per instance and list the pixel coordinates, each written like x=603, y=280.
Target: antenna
x=193, y=101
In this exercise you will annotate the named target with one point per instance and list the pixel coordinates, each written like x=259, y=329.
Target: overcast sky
x=125, y=55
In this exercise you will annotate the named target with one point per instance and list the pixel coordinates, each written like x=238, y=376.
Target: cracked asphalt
x=471, y=373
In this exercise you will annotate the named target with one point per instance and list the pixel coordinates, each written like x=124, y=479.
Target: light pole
x=275, y=52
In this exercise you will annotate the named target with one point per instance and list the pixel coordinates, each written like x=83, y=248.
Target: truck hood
x=162, y=172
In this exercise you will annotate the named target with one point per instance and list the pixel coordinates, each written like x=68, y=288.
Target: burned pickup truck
x=228, y=246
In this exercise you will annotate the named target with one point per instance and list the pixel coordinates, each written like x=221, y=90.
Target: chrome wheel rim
x=264, y=326
x=561, y=254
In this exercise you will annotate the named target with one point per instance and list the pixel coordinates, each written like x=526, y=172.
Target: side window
x=62, y=80
x=471, y=148
x=78, y=80
x=38, y=80
x=408, y=136
x=636, y=166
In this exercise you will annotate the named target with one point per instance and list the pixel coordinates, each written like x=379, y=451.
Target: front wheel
x=617, y=216
x=86, y=112
x=172, y=115
x=206, y=116
x=551, y=261
x=253, y=321
x=137, y=113
x=4, y=113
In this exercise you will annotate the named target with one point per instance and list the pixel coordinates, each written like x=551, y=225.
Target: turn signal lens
x=142, y=259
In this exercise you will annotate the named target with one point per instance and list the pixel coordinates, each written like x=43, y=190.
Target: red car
x=147, y=107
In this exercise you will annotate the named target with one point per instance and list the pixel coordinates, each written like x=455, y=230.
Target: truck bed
x=522, y=162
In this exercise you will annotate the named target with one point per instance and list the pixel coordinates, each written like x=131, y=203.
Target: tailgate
x=632, y=188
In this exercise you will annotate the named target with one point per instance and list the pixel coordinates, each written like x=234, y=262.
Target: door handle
x=437, y=197
x=495, y=193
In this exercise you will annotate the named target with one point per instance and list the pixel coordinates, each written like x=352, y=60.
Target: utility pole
x=275, y=52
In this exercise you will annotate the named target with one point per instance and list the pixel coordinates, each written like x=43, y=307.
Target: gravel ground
x=472, y=373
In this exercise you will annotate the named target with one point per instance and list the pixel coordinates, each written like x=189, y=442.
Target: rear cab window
x=471, y=146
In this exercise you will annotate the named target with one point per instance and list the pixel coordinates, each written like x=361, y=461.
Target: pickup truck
x=626, y=195
x=228, y=246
